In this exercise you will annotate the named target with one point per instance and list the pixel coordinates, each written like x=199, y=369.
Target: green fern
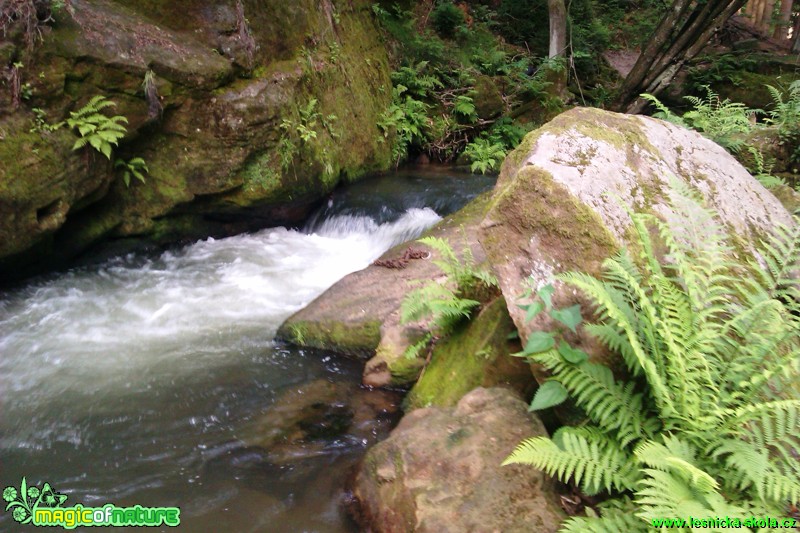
x=95, y=129
x=485, y=155
x=709, y=423
x=133, y=168
x=720, y=120
x=445, y=305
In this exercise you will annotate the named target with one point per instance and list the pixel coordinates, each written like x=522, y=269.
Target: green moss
x=535, y=204
x=359, y=340
x=475, y=356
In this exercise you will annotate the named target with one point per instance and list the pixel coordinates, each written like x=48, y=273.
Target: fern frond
x=591, y=463
x=613, y=406
x=598, y=292
x=678, y=457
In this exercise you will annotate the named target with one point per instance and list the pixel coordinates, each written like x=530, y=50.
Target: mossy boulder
x=360, y=315
x=564, y=198
x=222, y=82
x=476, y=356
x=439, y=471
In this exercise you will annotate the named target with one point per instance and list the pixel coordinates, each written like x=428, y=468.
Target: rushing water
x=156, y=380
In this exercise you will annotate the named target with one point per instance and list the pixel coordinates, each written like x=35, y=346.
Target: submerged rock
x=563, y=196
x=439, y=471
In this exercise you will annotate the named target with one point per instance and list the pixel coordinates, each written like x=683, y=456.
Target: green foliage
x=306, y=128
x=95, y=129
x=417, y=81
x=133, y=168
x=464, y=108
x=407, y=120
x=40, y=124
x=445, y=305
x=487, y=152
x=786, y=115
x=447, y=18
x=718, y=69
x=762, y=171
x=663, y=112
x=440, y=84
x=702, y=427
x=722, y=121
x=485, y=155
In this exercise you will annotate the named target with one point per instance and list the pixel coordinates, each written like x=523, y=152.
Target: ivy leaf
x=546, y=294
x=550, y=394
x=538, y=342
x=570, y=316
x=572, y=355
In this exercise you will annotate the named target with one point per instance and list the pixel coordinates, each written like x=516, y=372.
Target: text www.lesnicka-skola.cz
x=724, y=522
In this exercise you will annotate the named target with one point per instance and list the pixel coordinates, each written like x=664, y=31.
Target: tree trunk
x=558, y=27
x=796, y=35
x=682, y=33
x=781, y=32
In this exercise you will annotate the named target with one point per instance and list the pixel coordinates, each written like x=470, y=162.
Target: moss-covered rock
x=224, y=82
x=564, y=198
x=476, y=356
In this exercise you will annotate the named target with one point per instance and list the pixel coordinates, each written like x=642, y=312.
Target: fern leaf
x=591, y=463
x=613, y=406
x=677, y=457
x=598, y=292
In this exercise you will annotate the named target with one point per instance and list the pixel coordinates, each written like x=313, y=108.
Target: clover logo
x=22, y=503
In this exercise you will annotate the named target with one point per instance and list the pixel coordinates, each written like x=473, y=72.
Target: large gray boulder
x=564, y=196
x=439, y=472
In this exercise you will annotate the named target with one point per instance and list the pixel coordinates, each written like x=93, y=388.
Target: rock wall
x=227, y=75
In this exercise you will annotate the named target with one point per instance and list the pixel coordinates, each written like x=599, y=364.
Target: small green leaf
x=546, y=294
x=533, y=310
x=514, y=335
x=538, y=342
x=550, y=394
x=572, y=355
x=570, y=316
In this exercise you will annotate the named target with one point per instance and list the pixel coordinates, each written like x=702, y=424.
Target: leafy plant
x=306, y=128
x=133, y=168
x=663, y=112
x=407, y=119
x=445, y=305
x=702, y=427
x=95, y=129
x=40, y=123
x=786, y=115
x=417, y=82
x=485, y=155
x=464, y=107
x=762, y=171
x=447, y=18
x=720, y=120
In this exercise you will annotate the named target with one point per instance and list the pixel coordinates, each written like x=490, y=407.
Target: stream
x=156, y=380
